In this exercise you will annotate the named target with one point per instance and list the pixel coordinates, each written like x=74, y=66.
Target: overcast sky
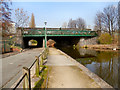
x=56, y=13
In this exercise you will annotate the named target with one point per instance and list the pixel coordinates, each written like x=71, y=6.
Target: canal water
x=103, y=63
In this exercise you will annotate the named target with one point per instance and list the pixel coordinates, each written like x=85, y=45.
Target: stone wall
x=19, y=38
x=90, y=41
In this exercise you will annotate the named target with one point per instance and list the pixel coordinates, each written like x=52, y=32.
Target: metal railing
x=5, y=46
x=59, y=32
x=26, y=78
x=7, y=43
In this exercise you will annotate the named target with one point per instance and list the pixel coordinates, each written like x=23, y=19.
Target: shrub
x=33, y=41
x=115, y=39
x=105, y=38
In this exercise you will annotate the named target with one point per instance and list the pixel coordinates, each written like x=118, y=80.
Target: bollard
x=37, y=66
x=47, y=50
x=27, y=80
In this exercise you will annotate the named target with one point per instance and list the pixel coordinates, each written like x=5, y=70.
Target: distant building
x=12, y=28
x=89, y=29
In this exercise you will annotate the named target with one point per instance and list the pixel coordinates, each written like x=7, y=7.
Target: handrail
x=59, y=32
x=20, y=81
x=43, y=52
x=33, y=64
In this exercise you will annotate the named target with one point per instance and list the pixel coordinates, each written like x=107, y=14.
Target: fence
x=6, y=44
x=26, y=78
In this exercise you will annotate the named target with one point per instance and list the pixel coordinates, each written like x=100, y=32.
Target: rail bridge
x=60, y=35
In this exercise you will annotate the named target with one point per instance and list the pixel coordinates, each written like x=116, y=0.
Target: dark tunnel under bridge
x=60, y=40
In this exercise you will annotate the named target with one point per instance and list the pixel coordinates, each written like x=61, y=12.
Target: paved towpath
x=12, y=66
x=64, y=73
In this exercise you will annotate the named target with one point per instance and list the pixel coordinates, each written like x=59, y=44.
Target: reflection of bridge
x=67, y=32
x=61, y=36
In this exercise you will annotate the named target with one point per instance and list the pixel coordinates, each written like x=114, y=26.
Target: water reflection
x=103, y=63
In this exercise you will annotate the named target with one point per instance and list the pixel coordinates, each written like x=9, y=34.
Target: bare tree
x=5, y=13
x=119, y=16
x=64, y=25
x=21, y=17
x=98, y=21
x=32, y=23
x=81, y=23
x=109, y=18
x=72, y=23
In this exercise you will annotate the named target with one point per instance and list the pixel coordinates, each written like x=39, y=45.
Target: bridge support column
x=43, y=43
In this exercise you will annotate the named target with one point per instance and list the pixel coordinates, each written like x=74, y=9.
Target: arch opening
x=32, y=43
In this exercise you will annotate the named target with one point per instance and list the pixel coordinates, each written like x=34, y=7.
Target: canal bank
x=66, y=72
x=103, y=47
x=104, y=63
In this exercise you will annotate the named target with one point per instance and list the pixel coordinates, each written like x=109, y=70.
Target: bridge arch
x=32, y=42
x=26, y=40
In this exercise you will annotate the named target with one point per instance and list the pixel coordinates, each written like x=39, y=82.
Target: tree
x=98, y=21
x=81, y=23
x=110, y=18
x=107, y=19
x=64, y=25
x=32, y=23
x=21, y=18
x=5, y=13
x=72, y=23
x=119, y=15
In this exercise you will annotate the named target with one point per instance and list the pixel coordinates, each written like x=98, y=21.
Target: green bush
x=105, y=38
x=33, y=41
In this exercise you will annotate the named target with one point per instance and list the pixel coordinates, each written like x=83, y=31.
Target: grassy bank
x=43, y=78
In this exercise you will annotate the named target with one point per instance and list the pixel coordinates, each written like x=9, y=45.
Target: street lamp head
x=45, y=23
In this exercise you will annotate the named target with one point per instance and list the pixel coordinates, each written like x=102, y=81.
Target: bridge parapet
x=56, y=32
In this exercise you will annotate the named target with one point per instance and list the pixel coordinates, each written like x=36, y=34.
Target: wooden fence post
x=45, y=53
x=43, y=56
x=26, y=82
x=41, y=60
x=37, y=65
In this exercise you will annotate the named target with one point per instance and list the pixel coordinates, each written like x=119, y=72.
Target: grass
x=42, y=82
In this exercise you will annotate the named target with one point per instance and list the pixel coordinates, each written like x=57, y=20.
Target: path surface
x=12, y=66
x=63, y=73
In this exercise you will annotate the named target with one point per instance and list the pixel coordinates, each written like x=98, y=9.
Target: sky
x=56, y=13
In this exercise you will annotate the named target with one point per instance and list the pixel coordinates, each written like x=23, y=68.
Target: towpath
x=64, y=73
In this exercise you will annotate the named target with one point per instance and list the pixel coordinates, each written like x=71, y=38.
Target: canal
x=103, y=63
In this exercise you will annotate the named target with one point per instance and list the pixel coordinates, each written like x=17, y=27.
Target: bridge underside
x=60, y=41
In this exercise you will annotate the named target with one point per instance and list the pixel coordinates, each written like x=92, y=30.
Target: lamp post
x=45, y=35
